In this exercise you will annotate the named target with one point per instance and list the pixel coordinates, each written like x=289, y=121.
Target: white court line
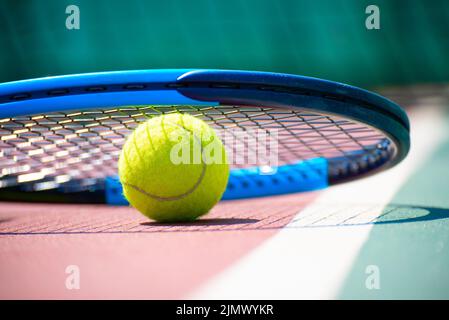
x=312, y=263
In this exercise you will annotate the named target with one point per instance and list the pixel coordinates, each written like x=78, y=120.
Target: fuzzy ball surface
x=173, y=168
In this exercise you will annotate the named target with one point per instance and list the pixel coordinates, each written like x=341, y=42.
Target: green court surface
x=412, y=253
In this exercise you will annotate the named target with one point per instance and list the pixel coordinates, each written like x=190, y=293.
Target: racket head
x=329, y=132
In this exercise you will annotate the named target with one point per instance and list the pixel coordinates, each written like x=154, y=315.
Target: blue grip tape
x=114, y=191
x=255, y=182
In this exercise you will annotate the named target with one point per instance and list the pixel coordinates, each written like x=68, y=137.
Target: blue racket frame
x=223, y=87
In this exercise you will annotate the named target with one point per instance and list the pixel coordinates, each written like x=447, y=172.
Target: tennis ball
x=173, y=168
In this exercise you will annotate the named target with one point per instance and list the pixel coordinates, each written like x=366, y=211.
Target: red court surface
x=121, y=254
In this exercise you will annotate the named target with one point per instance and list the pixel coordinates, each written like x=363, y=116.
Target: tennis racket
x=60, y=137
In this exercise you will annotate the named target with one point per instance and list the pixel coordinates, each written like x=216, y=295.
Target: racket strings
x=79, y=149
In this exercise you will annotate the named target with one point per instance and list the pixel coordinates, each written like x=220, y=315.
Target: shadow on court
x=369, y=215
x=322, y=216
x=203, y=222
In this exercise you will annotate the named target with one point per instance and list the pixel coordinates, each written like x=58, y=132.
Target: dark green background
x=324, y=38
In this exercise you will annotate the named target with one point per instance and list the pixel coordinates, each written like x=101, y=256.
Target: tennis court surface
x=386, y=236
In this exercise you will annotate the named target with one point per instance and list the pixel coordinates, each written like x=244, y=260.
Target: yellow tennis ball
x=173, y=168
